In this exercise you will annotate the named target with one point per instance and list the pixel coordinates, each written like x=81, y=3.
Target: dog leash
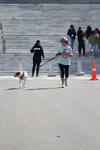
x=48, y=61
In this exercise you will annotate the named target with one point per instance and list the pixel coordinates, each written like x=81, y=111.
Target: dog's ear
x=17, y=74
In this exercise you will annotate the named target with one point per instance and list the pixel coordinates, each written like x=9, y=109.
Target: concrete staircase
x=11, y=62
x=50, y=1
x=23, y=24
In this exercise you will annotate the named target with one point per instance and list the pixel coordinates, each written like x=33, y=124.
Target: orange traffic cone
x=94, y=74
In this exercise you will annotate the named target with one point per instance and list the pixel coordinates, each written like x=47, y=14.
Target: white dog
x=22, y=75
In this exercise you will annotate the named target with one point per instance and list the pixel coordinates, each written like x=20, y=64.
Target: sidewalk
x=56, y=77
x=44, y=116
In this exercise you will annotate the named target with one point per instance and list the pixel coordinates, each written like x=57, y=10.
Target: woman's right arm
x=58, y=54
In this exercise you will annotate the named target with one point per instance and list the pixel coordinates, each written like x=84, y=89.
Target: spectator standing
x=94, y=39
x=37, y=51
x=98, y=31
x=88, y=33
x=72, y=34
x=81, y=42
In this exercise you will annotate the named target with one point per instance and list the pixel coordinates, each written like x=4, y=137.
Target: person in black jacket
x=37, y=51
x=88, y=33
x=72, y=34
x=81, y=42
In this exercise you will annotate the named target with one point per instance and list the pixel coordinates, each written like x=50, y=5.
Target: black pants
x=36, y=65
x=64, y=70
x=80, y=47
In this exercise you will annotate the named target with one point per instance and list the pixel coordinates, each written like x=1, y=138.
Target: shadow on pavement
x=34, y=89
x=9, y=89
x=43, y=88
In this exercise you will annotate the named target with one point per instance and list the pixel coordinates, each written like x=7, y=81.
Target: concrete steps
x=24, y=24
x=50, y=1
x=11, y=62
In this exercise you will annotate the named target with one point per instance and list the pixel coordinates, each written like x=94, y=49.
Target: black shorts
x=64, y=70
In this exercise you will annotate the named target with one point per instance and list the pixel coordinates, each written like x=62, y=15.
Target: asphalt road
x=44, y=116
